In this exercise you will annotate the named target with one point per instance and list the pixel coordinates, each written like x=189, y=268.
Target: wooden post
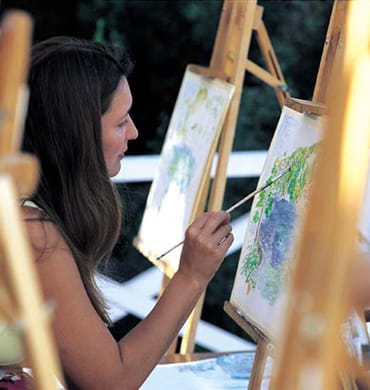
x=310, y=351
x=331, y=56
x=228, y=62
x=18, y=175
x=259, y=364
x=332, y=52
x=232, y=65
x=15, y=40
x=21, y=279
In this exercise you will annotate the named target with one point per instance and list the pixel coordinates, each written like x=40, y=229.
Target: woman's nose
x=133, y=132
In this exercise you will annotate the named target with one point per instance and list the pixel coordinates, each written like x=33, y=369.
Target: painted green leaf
x=251, y=262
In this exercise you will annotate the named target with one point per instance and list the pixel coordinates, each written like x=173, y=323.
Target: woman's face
x=118, y=128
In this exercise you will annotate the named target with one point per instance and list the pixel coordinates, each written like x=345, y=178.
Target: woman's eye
x=123, y=124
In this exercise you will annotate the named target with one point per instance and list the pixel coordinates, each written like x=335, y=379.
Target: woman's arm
x=89, y=354
x=200, y=258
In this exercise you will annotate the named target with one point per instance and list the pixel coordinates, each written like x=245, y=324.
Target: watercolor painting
x=275, y=215
x=275, y=219
x=229, y=371
x=186, y=156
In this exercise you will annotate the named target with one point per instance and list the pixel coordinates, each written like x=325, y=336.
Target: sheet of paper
x=229, y=371
x=274, y=225
x=187, y=151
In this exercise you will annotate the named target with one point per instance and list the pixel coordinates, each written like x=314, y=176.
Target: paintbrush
x=236, y=205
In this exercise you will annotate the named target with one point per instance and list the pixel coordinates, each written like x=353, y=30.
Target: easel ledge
x=305, y=106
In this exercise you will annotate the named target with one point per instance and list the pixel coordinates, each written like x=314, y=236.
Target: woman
x=79, y=125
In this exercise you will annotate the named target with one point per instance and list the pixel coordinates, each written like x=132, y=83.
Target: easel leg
x=188, y=340
x=258, y=365
x=21, y=279
x=172, y=348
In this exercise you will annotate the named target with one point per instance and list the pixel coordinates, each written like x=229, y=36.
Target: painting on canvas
x=224, y=372
x=274, y=223
x=186, y=156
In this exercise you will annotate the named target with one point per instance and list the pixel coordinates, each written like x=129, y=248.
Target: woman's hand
x=207, y=240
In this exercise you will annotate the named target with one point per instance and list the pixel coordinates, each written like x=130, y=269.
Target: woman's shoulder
x=53, y=258
x=43, y=234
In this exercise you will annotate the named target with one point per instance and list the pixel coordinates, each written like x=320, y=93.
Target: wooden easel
x=229, y=62
x=325, y=252
x=331, y=57
x=20, y=294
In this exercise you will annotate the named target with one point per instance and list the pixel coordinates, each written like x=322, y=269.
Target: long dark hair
x=72, y=83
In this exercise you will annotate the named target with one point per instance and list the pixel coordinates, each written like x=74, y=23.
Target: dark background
x=163, y=37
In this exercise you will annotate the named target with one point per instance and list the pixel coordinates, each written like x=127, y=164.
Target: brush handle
x=233, y=207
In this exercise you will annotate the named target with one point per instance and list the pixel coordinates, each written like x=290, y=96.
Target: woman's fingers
x=209, y=222
x=212, y=229
x=223, y=233
x=206, y=242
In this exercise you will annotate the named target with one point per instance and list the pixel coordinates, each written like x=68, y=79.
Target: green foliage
x=292, y=184
x=271, y=281
x=250, y=264
x=181, y=167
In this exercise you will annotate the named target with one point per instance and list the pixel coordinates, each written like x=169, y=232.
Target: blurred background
x=163, y=37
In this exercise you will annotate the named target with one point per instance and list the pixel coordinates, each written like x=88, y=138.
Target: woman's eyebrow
x=124, y=115
x=127, y=112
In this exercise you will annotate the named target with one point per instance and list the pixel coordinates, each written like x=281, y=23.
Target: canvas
x=186, y=156
x=275, y=220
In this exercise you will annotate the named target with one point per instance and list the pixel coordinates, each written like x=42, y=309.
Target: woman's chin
x=114, y=170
